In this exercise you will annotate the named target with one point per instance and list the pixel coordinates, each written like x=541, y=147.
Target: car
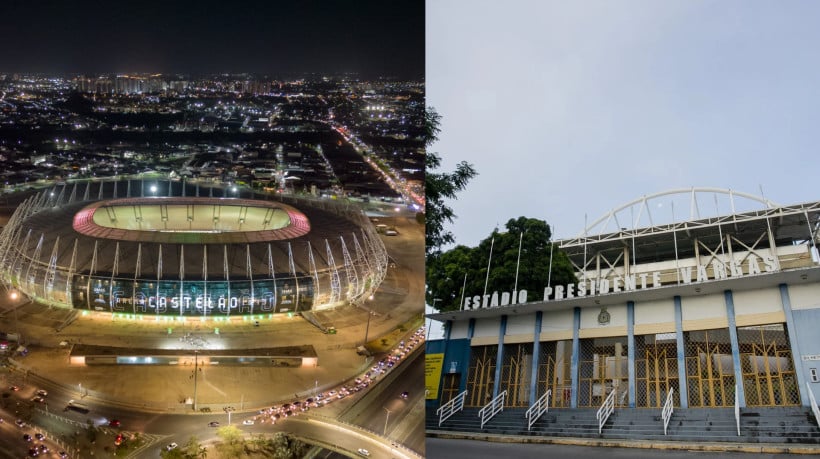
x=363, y=452
x=248, y=422
x=118, y=440
x=42, y=393
x=63, y=455
x=38, y=399
x=405, y=394
x=14, y=388
x=26, y=437
x=114, y=423
x=43, y=448
x=171, y=446
x=33, y=452
x=39, y=436
x=20, y=423
x=213, y=424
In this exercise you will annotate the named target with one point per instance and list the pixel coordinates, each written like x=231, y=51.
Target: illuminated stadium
x=175, y=249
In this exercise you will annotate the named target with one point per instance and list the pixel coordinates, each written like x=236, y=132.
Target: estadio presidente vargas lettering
x=750, y=265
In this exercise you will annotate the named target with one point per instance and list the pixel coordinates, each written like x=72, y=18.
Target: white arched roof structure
x=639, y=212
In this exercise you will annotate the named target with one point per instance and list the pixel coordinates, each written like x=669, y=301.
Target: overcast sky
x=571, y=109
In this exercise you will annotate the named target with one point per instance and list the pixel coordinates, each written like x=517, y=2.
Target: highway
x=405, y=431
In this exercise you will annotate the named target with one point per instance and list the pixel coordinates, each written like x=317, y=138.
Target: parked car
x=213, y=424
x=363, y=452
x=171, y=446
x=248, y=422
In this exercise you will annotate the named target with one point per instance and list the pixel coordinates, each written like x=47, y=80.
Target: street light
x=367, y=327
x=196, y=354
x=387, y=418
x=229, y=410
x=430, y=321
x=370, y=312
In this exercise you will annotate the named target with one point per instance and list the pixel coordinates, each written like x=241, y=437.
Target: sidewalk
x=756, y=448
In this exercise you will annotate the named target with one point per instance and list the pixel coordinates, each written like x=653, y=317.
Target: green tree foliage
x=438, y=187
x=194, y=449
x=446, y=272
x=236, y=445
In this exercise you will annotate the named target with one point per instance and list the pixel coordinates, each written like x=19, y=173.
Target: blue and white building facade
x=711, y=307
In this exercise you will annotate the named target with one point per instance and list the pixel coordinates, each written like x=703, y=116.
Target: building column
x=796, y=354
x=630, y=349
x=576, y=352
x=465, y=366
x=730, y=314
x=448, y=326
x=499, y=358
x=536, y=356
x=684, y=392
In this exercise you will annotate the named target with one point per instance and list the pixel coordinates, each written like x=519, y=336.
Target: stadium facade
x=707, y=308
x=172, y=248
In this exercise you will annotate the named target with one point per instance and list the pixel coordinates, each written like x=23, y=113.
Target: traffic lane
x=471, y=449
x=339, y=436
x=411, y=379
x=12, y=443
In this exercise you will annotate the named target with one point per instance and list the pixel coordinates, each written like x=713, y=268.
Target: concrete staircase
x=757, y=425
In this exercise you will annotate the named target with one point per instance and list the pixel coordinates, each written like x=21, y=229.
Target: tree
x=194, y=449
x=439, y=186
x=541, y=263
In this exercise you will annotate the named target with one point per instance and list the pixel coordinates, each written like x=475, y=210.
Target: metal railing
x=541, y=406
x=737, y=411
x=495, y=406
x=605, y=410
x=668, y=408
x=450, y=408
x=813, y=402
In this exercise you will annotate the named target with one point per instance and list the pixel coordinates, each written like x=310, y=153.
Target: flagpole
x=463, y=289
x=518, y=263
x=487, y=279
x=675, y=238
x=549, y=273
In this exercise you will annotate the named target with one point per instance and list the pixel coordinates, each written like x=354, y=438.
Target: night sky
x=279, y=38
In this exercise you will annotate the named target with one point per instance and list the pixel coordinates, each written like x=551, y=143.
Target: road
x=402, y=424
x=470, y=449
x=318, y=426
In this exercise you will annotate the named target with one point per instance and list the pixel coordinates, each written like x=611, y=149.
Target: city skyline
x=375, y=39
